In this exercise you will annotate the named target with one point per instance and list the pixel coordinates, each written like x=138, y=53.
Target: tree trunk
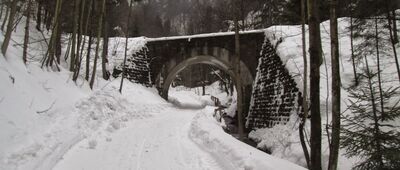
x=90, y=40
x=6, y=17
x=39, y=16
x=48, y=19
x=49, y=57
x=395, y=36
x=334, y=144
x=237, y=72
x=126, y=47
x=375, y=114
x=104, y=60
x=393, y=41
x=79, y=49
x=379, y=67
x=10, y=24
x=315, y=62
x=2, y=4
x=305, y=86
x=352, y=50
x=58, y=43
x=26, y=37
x=68, y=50
x=99, y=29
x=73, y=56
x=89, y=49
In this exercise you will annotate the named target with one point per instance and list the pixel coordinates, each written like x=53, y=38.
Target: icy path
x=159, y=142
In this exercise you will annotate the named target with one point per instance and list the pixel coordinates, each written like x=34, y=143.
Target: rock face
x=137, y=68
x=275, y=95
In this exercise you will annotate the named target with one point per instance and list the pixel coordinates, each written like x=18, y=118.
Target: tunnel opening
x=204, y=85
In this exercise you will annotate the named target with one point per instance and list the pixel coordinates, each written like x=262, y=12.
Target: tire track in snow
x=140, y=153
x=159, y=142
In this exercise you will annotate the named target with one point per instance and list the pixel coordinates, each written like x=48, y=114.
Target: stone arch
x=227, y=67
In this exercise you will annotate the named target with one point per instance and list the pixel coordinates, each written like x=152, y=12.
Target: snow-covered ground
x=47, y=121
x=155, y=138
x=191, y=95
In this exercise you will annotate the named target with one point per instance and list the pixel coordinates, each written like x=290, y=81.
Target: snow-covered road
x=133, y=130
x=159, y=142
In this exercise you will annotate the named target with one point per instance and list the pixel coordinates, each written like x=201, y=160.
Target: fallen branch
x=51, y=106
x=31, y=42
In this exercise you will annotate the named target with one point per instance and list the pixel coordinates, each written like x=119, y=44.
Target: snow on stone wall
x=137, y=68
x=275, y=94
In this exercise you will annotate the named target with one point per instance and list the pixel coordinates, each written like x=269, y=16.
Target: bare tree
x=395, y=36
x=126, y=47
x=26, y=37
x=7, y=14
x=239, y=89
x=73, y=60
x=80, y=44
x=10, y=26
x=305, y=86
x=334, y=144
x=89, y=48
x=99, y=31
x=315, y=62
x=2, y=8
x=48, y=59
x=39, y=15
x=104, y=60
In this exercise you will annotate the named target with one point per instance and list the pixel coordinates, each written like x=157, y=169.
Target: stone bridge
x=269, y=94
x=173, y=54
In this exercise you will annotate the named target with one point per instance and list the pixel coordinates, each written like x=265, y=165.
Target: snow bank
x=231, y=153
x=105, y=110
x=189, y=97
x=282, y=141
x=43, y=112
x=186, y=99
x=32, y=101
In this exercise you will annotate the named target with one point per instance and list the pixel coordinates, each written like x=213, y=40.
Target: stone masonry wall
x=137, y=68
x=275, y=95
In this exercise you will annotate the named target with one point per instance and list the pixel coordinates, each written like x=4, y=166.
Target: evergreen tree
x=367, y=132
